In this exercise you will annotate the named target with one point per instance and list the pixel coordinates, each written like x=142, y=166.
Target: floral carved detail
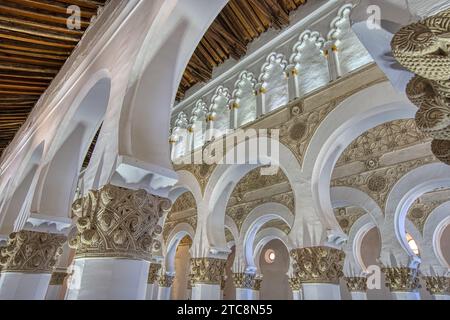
x=356, y=284
x=202, y=172
x=318, y=264
x=401, y=279
x=153, y=272
x=58, y=278
x=116, y=222
x=346, y=217
x=165, y=281
x=441, y=149
x=31, y=252
x=378, y=183
x=207, y=270
x=294, y=283
x=421, y=209
x=184, y=210
x=437, y=285
x=388, y=137
x=247, y=281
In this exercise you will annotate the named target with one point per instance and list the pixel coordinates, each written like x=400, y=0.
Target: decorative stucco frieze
x=153, y=273
x=346, y=217
x=437, y=285
x=202, y=172
x=115, y=222
x=318, y=264
x=31, y=252
x=378, y=183
x=165, y=281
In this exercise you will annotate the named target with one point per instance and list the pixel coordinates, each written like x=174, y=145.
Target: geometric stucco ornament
x=401, y=279
x=31, y=252
x=246, y=281
x=114, y=222
x=318, y=264
x=441, y=150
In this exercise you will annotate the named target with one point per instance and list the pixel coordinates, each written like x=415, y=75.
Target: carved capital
x=401, y=279
x=437, y=285
x=294, y=283
x=247, y=281
x=58, y=278
x=31, y=252
x=118, y=223
x=356, y=284
x=207, y=270
x=165, y=281
x=153, y=273
x=318, y=264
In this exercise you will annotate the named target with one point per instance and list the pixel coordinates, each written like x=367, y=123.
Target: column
x=56, y=285
x=117, y=228
x=293, y=82
x=260, y=100
x=403, y=282
x=297, y=292
x=331, y=53
x=438, y=287
x=152, y=279
x=234, y=107
x=357, y=287
x=27, y=263
x=319, y=270
x=165, y=283
x=247, y=286
x=206, y=275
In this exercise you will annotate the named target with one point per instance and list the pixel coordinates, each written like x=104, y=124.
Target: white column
x=358, y=295
x=260, y=100
x=334, y=67
x=293, y=82
x=409, y=295
x=206, y=292
x=297, y=295
x=23, y=286
x=108, y=279
x=246, y=294
x=234, y=109
x=441, y=296
x=149, y=293
x=164, y=293
x=53, y=292
x=321, y=291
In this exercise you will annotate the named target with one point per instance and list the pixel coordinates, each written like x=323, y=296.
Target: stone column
x=152, y=281
x=334, y=67
x=247, y=286
x=260, y=100
x=116, y=235
x=438, y=287
x=293, y=82
x=206, y=275
x=27, y=263
x=165, y=283
x=319, y=270
x=56, y=285
x=297, y=292
x=357, y=287
x=403, y=282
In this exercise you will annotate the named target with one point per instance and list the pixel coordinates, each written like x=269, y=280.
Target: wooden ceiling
x=34, y=44
x=239, y=23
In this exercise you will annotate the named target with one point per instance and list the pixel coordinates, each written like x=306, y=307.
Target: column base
x=23, y=286
x=246, y=294
x=108, y=279
x=321, y=291
x=206, y=292
x=406, y=295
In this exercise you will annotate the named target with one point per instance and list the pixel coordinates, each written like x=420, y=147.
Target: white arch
x=59, y=176
x=362, y=111
x=180, y=231
x=264, y=237
x=257, y=218
x=432, y=256
x=225, y=177
x=348, y=196
x=187, y=182
x=231, y=225
x=410, y=187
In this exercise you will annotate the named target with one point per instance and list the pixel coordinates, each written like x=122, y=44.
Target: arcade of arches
x=353, y=97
